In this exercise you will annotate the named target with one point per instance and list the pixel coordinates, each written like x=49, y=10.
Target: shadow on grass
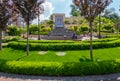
x=84, y=59
x=21, y=57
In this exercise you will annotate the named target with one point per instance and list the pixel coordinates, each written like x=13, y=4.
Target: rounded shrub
x=60, y=68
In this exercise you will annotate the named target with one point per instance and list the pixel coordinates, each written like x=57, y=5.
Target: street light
x=99, y=33
x=40, y=10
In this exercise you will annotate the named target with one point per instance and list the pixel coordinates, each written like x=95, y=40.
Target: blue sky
x=63, y=6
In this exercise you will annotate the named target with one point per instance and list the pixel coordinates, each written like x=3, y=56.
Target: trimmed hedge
x=48, y=41
x=63, y=46
x=68, y=41
x=101, y=40
x=113, y=35
x=10, y=39
x=60, y=69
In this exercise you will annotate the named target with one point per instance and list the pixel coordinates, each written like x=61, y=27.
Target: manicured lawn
x=50, y=56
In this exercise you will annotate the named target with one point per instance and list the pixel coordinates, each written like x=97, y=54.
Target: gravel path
x=15, y=77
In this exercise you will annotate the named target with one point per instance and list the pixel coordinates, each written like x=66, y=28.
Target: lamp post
x=99, y=32
x=39, y=38
x=40, y=10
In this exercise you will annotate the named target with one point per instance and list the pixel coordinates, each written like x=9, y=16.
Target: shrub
x=84, y=29
x=14, y=31
x=60, y=69
x=48, y=41
x=101, y=40
x=10, y=39
x=64, y=46
x=33, y=29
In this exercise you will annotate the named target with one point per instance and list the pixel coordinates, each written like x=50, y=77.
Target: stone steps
x=61, y=32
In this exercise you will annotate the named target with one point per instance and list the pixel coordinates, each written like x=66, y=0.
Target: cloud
x=48, y=7
x=56, y=1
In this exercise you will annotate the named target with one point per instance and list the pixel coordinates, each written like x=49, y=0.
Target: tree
x=5, y=14
x=14, y=30
x=66, y=21
x=99, y=24
x=117, y=27
x=49, y=22
x=84, y=28
x=28, y=10
x=33, y=29
x=40, y=10
x=90, y=9
x=111, y=14
x=74, y=11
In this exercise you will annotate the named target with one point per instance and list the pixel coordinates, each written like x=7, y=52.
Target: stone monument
x=59, y=26
x=59, y=20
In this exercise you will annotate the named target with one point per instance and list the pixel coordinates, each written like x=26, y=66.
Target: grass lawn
x=50, y=56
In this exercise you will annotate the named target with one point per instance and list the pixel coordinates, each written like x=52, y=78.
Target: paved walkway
x=15, y=77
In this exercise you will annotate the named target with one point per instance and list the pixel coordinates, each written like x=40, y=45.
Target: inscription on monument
x=59, y=21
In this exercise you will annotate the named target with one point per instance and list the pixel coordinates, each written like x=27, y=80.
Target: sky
x=63, y=6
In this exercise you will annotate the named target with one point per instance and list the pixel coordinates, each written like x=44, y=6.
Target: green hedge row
x=60, y=69
x=9, y=40
x=101, y=40
x=48, y=41
x=69, y=41
x=113, y=35
x=64, y=46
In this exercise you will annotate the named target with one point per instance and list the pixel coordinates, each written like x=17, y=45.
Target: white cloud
x=57, y=1
x=48, y=7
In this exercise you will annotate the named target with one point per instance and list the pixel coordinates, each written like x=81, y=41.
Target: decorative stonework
x=42, y=52
x=59, y=27
x=60, y=53
x=59, y=20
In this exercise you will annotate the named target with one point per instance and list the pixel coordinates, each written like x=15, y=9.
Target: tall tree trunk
x=38, y=28
x=0, y=39
x=27, y=38
x=91, y=52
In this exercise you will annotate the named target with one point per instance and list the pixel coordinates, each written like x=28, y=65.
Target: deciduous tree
x=90, y=9
x=5, y=14
x=28, y=10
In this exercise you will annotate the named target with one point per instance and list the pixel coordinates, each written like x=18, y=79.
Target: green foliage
x=75, y=21
x=84, y=29
x=71, y=28
x=108, y=28
x=51, y=26
x=60, y=69
x=48, y=41
x=111, y=14
x=46, y=29
x=33, y=29
x=74, y=11
x=64, y=46
x=75, y=28
x=66, y=21
x=43, y=30
x=10, y=39
x=101, y=40
x=74, y=63
x=49, y=22
x=113, y=35
x=79, y=55
x=14, y=31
